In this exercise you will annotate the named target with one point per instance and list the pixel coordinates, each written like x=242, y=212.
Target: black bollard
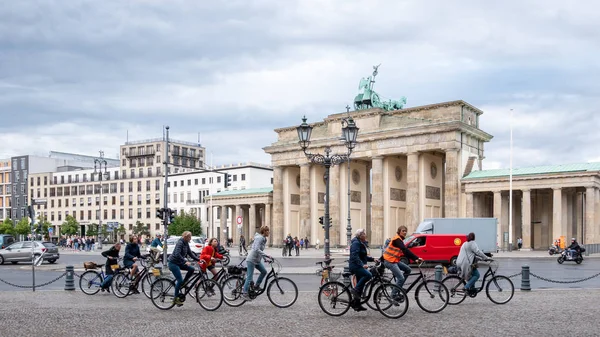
x=69, y=279
x=525, y=284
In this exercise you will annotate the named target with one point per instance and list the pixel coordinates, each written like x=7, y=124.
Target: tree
x=6, y=227
x=23, y=227
x=140, y=229
x=121, y=230
x=70, y=226
x=41, y=220
x=104, y=231
x=185, y=222
x=92, y=230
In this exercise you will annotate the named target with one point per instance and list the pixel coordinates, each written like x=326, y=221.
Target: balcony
x=193, y=202
x=138, y=154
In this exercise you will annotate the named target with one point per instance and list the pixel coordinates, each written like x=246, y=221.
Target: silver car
x=21, y=252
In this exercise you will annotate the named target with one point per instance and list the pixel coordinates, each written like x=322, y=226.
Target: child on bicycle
x=209, y=255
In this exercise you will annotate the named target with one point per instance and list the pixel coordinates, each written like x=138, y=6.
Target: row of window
x=234, y=177
x=105, y=200
x=95, y=189
x=81, y=215
x=92, y=177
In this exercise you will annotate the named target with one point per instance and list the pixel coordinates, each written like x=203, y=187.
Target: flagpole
x=510, y=188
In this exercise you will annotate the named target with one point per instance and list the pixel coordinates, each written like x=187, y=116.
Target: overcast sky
x=76, y=76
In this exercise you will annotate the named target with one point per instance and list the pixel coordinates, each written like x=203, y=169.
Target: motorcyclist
x=573, y=248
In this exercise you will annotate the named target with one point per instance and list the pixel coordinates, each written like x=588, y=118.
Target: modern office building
x=5, y=189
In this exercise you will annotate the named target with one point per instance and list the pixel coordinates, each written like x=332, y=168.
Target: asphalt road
x=60, y=313
x=301, y=270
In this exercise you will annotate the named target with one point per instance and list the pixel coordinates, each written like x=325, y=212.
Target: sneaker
x=177, y=301
x=246, y=297
x=398, y=298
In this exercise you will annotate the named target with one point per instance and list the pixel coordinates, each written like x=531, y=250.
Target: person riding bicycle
x=178, y=262
x=467, y=269
x=392, y=254
x=357, y=265
x=112, y=256
x=573, y=248
x=209, y=255
x=154, y=247
x=254, y=260
x=132, y=254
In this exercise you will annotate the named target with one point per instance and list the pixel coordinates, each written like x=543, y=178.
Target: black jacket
x=574, y=245
x=358, y=255
x=132, y=250
x=181, y=251
x=399, y=243
x=112, y=252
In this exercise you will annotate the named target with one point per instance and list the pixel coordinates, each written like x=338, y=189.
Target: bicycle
x=124, y=285
x=498, y=284
x=162, y=292
x=334, y=294
x=91, y=280
x=273, y=285
x=326, y=271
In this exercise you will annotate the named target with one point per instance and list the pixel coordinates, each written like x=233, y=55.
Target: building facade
x=5, y=189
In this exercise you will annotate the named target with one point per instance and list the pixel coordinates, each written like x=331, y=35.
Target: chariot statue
x=367, y=98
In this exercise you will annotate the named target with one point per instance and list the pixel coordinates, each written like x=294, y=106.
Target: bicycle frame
x=489, y=272
x=270, y=275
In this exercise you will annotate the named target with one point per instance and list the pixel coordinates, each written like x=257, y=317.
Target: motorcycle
x=554, y=250
x=574, y=256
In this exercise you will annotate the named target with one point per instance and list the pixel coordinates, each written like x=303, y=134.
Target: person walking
x=243, y=245
x=297, y=245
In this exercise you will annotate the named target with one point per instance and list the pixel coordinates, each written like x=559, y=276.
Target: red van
x=442, y=248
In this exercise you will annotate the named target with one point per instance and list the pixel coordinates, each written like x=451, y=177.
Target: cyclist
x=391, y=258
x=209, y=255
x=177, y=262
x=112, y=256
x=467, y=269
x=132, y=254
x=357, y=264
x=154, y=247
x=254, y=260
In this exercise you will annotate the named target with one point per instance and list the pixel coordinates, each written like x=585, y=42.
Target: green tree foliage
x=6, y=227
x=41, y=220
x=104, y=231
x=121, y=230
x=140, y=229
x=92, y=230
x=23, y=227
x=186, y=222
x=70, y=226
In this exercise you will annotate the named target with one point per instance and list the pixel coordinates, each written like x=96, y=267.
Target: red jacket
x=207, y=253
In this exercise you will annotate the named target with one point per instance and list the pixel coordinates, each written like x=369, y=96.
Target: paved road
x=60, y=313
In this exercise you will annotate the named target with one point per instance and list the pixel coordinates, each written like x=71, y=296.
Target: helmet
x=572, y=239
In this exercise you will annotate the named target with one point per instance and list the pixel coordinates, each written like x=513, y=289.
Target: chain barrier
x=37, y=285
x=515, y=275
x=563, y=282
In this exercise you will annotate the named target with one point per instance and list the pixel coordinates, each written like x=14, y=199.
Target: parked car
x=6, y=240
x=21, y=252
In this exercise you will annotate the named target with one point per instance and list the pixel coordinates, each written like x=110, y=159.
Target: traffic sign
x=50, y=231
x=39, y=201
x=239, y=220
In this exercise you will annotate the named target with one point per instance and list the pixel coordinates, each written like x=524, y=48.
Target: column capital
x=525, y=190
x=468, y=192
x=377, y=157
x=452, y=149
x=497, y=191
x=557, y=188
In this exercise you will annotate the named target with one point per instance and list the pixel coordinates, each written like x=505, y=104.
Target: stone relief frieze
x=321, y=198
x=397, y=194
x=295, y=199
x=432, y=192
x=355, y=196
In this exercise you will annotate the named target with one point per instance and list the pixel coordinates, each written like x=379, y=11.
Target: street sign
x=239, y=220
x=50, y=231
x=39, y=201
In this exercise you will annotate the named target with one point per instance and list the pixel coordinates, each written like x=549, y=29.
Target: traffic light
x=160, y=213
x=321, y=219
x=227, y=180
x=172, y=214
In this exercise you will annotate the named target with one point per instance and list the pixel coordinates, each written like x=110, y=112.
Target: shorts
x=211, y=267
x=128, y=263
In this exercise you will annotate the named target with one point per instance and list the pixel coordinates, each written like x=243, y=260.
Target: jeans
x=362, y=276
x=399, y=270
x=176, y=270
x=107, y=281
x=474, y=277
x=250, y=273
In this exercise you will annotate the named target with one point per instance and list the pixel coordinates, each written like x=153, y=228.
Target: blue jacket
x=181, y=251
x=131, y=250
x=358, y=255
x=156, y=242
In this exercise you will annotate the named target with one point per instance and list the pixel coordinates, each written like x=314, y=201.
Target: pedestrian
x=317, y=244
x=301, y=243
x=284, y=248
x=290, y=243
x=306, y=242
x=297, y=245
x=519, y=243
x=243, y=245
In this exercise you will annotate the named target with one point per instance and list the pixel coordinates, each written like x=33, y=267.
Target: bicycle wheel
x=432, y=296
x=391, y=300
x=500, y=289
x=455, y=286
x=120, y=285
x=90, y=281
x=147, y=284
x=162, y=293
x=334, y=298
x=282, y=292
x=366, y=295
x=232, y=291
x=209, y=295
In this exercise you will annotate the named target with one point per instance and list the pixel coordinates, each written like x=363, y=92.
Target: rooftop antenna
x=127, y=141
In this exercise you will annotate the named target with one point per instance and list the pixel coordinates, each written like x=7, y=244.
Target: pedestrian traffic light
x=172, y=214
x=227, y=180
x=321, y=222
x=160, y=213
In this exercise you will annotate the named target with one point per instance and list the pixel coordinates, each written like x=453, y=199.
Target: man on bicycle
x=391, y=258
x=357, y=265
x=177, y=262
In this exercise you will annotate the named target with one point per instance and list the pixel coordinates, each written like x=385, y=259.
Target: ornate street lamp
x=98, y=163
x=350, y=131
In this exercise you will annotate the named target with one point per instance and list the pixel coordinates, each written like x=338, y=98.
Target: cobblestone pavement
x=60, y=313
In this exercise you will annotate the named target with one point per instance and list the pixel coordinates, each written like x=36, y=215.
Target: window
x=157, y=198
x=181, y=182
x=139, y=213
x=157, y=185
x=147, y=212
x=243, y=177
x=89, y=217
x=105, y=215
x=130, y=200
x=158, y=172
x=189, y=182
x=147, y=185
x=131, y=213
x=116, y=174
x=189, y=196
x=124, y=174
x=122, y=187
x=89, y=201
x=157, y=226
x=203, y=181
x=132, y=172
x=148, y=199
x=235, y=177
x=59, y=202
x=97, y=214
x=59, y=216
x=174, y=184
x=31, y=182
x=98, y=201
x=122, y=200
x=181, y=197
x=85, y=177
x=218, y=179
x=139, y=199
x=62, y=179
x=122, y=214
x=45, y=180
x=141, y=172
x=195, y=181
x=74, y=202
x=113, y=214
x=174, y=197
x=81, y=213
x=81, y=202
x=105, y=200
x=51, y=216
x=131, y=186
x=69, y=179
x=149, y=171
x=114, y=200
x=130, y=227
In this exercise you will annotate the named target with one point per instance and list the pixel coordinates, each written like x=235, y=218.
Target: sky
x=82, y=76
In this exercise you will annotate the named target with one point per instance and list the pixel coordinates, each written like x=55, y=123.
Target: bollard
x=69, y=279
x=346, y=278
x=438, y=273
x=525, y=285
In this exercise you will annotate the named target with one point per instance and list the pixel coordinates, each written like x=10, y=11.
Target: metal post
x=349, y=226
x=69, y=279
x=327, y=163
x=525, y=284
x=32, y=215
x=165, y=202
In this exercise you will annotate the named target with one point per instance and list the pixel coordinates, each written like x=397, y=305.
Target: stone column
x=240, y=231
x=277, y=228
x=369, y=225
x=211, y=229
x=377, y=203
x=498, y=215
x=334, y=205
x=557, y=213
x=470, y=209
x=223, y=224
x=252, y=217
x=451, y=194
x=305, y=200
x=526, y=219
x=579, y=217
x=268, y=220
x=412, y=192
x=590, y=203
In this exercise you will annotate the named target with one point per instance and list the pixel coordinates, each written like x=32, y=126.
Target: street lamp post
x=98, y=163
x=349, y=132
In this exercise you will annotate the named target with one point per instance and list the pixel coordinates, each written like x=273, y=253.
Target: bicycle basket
x=156, y=272
x=235, y=270
x=114, y=266
x=90, y=265
x=334, y=276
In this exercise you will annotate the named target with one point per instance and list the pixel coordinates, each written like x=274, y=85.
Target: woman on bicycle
x=254, y=260
x=112, y=256
x=209, y=255
x=357, y=264
x=177, y=262
x=465, y=262
x=132, y=254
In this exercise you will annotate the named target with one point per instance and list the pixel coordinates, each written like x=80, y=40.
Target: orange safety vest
x=392, y=254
